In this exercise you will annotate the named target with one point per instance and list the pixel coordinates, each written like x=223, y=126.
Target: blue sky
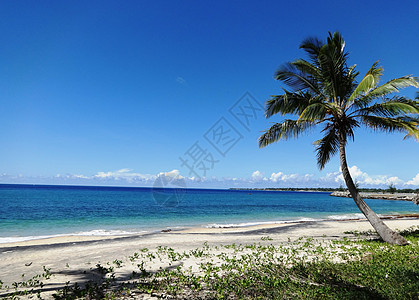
x=116, y=92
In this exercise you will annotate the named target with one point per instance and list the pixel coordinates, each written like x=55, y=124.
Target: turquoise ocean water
x=31, y=211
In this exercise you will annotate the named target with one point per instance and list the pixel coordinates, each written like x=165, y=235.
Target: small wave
x=346, y=217
x=259, y=223
x=305, y=220
x=102, y=232
x=96, y=232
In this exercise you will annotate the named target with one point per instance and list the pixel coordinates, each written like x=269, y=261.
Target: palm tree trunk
x=382, y=229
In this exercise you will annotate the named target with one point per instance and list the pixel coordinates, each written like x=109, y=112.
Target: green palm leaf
x=296, y=79
x=393, y=86
x=391, y=108
x=409, y=125
x=326, y=147
x=314, y=112
x=369, y=82
x=308, y=68
x=285, y=130
x=312, y=46
x=288, y=103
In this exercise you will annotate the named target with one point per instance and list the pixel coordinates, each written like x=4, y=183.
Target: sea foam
x=259, y=223
x=346, y=217
x=96, y=232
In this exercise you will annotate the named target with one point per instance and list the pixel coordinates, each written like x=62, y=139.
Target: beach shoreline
x=68, y=257
x=208, y=229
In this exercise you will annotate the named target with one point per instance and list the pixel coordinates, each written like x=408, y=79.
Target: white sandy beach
x=73, y=258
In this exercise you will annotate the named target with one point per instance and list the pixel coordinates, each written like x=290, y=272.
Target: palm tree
x=323, y=90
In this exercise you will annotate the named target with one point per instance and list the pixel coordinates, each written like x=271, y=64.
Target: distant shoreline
x=308, y=190
x=123, y=187
x=401, y=195
x=364, y=190
x=383, y=196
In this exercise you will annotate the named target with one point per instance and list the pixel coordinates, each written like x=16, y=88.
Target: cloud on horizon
x=414, y=181
x=122, y=174
x=127, y=177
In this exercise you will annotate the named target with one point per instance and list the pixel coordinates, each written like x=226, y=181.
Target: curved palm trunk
x=382, y=229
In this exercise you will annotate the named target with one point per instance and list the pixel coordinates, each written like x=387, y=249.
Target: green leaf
x=391, y=108
x=393, y=86
x=285, y=130
x=407, y=124
x=314, y=112
x=326, y=147
x=296, y=79
x=288, y=103
x=369, y=82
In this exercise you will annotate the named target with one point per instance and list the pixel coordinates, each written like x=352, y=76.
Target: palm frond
x=336, y=39
x=383, y=90
x=312, y=46
x=314, y=112
x=306, y=67
x=407, y=124
x=413, y=131
x=369, y=82
x=394, y=107
x=393, y=86
x=296, y=79
x=332, y=63
x=345, y=126
x=352, y=73
x=287, y=103
x=326, y=147
x=283, y=131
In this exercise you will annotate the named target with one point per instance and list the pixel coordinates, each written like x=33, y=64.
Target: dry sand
x=73, y=258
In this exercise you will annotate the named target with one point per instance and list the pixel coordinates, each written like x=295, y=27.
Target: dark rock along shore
x=385, y=196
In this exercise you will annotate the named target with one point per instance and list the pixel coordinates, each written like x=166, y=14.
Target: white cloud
x=127, y=177
x=171, y=179
x=257, y=176
x=275, y=177
x=174, y=174
x=364, y=178
x=333, y=177
x=295, y=178
x=181, y=80
x=80, y=176
x=356, y=172
x=124, y=174
x=414, y=181
x=71, y=176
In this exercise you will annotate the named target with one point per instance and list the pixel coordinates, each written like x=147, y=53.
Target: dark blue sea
x=34, y=211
